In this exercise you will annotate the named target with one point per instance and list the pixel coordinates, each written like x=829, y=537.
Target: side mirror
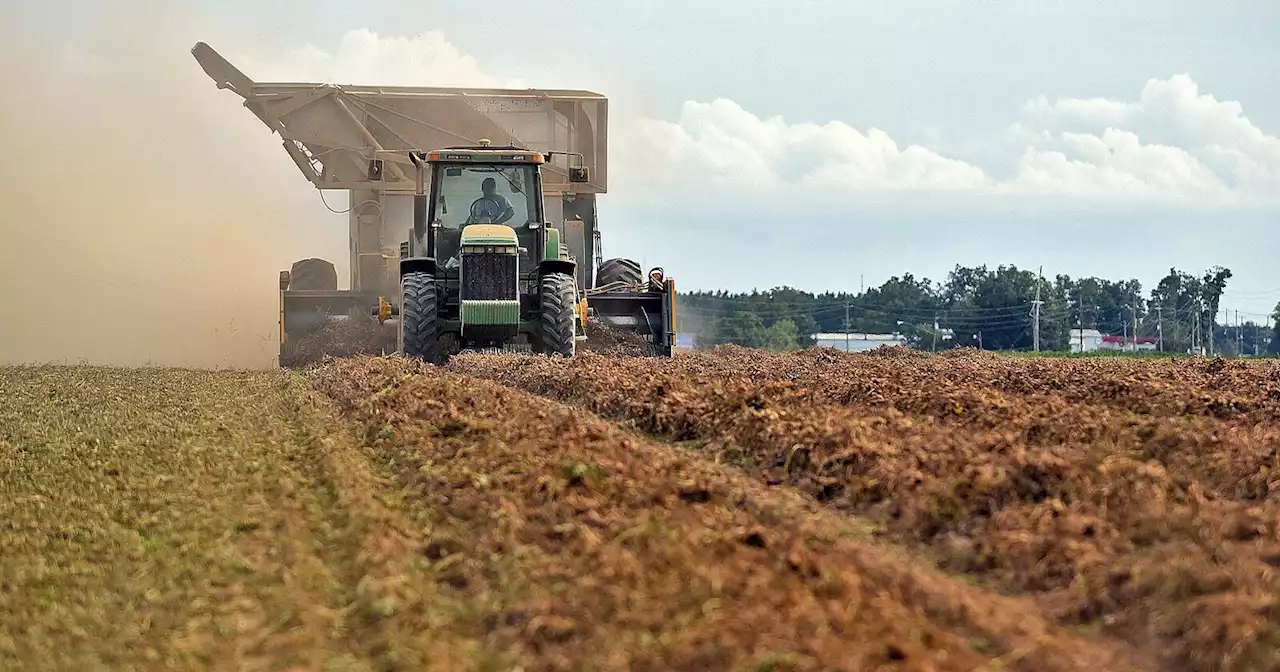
x=582, y=174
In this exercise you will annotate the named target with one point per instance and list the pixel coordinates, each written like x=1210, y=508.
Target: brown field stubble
x=416, y=519
x=635, y=554
x=1136, y=498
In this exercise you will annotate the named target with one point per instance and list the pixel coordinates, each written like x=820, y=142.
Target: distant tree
x=781, y=336
x=995, y=304
x=1057, y=316
x=743, y=327
x=1274, y=346
x=979, y=304
x=1215, y=283
x=793, y=310
x=1244, y=337
x=1166, y=308
x=878, y=309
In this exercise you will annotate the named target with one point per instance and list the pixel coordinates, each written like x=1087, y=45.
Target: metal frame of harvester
x=370, y=142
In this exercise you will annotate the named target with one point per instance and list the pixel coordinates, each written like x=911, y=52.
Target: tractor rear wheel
x=419, y=328
x=618, y=270
x=557, y=296
x=313, y=274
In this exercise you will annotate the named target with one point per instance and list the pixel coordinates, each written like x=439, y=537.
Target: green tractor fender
x=554, y=259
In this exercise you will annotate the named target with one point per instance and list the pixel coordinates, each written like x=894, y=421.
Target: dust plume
x=146, y=214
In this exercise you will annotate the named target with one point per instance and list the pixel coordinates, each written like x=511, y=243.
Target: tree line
x=989, y=308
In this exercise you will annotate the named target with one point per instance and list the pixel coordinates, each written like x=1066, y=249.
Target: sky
x=817, y=144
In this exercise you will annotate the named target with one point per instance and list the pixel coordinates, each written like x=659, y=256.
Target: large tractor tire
x=557, y=296
x=618, y=270
x=418, y=313
x=313, y=274
x=309, y=274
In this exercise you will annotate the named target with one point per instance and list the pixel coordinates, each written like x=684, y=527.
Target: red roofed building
x=1127, y=344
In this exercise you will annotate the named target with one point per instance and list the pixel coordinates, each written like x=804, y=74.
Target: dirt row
x=1087, y=486
x=1214, y=421
x=635, y=554
x=1247, y=391
x=379, y=516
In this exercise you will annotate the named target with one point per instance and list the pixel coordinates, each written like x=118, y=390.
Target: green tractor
x=482, y=270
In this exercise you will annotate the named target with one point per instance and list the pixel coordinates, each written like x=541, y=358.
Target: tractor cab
x=487, y=188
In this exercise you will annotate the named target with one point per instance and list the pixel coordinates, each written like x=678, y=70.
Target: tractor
x=488, y=274
x=504, y=252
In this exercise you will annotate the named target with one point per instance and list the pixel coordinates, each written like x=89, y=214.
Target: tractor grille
x=488, y=276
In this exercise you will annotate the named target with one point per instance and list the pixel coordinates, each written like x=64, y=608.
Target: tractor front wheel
x=557, y=296
x=418, y=325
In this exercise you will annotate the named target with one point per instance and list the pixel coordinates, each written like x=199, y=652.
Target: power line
x=1035, y=311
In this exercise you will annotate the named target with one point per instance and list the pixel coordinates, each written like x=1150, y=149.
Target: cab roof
x=485, y=154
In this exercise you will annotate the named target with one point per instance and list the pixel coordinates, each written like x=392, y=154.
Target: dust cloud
x=146, y=214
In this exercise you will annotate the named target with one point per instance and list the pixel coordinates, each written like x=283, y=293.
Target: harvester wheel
x=418, y=317
x=313, y=274
x=618, y=270
x=557, y=299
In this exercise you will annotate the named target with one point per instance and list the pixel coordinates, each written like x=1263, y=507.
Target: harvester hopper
x=364, y=140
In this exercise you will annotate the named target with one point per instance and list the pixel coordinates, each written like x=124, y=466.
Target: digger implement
x=304, y=312
x=648, y=310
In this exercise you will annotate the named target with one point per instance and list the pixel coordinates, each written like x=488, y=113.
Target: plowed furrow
x=1094, y=524
x=1243, y=391
x=579, y=546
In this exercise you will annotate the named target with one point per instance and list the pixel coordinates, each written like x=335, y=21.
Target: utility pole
x=1195, y=329
x=1080, y=331
x=1135, y=325
x=846, y=325
x=1239, y=335
x=1160, y=325
x=1035, y=312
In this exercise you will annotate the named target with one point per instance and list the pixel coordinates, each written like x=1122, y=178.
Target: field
x=732, y=510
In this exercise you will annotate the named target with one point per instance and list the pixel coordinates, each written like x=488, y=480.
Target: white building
x=1091, y=340
x=1085, y=340
x=856, y=342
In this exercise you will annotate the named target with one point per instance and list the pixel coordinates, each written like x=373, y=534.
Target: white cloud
x=722, y=145
x=1173, y=143
x=1172, y=147
x=364, y=57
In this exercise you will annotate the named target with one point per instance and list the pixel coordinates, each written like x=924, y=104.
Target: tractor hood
x=488, y=234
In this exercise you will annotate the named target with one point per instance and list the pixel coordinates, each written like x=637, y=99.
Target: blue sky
x=1093, y=138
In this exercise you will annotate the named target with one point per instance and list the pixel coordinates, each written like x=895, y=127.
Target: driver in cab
x=491, y=207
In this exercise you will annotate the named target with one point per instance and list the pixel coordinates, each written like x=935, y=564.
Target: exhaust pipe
x=421, y=231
